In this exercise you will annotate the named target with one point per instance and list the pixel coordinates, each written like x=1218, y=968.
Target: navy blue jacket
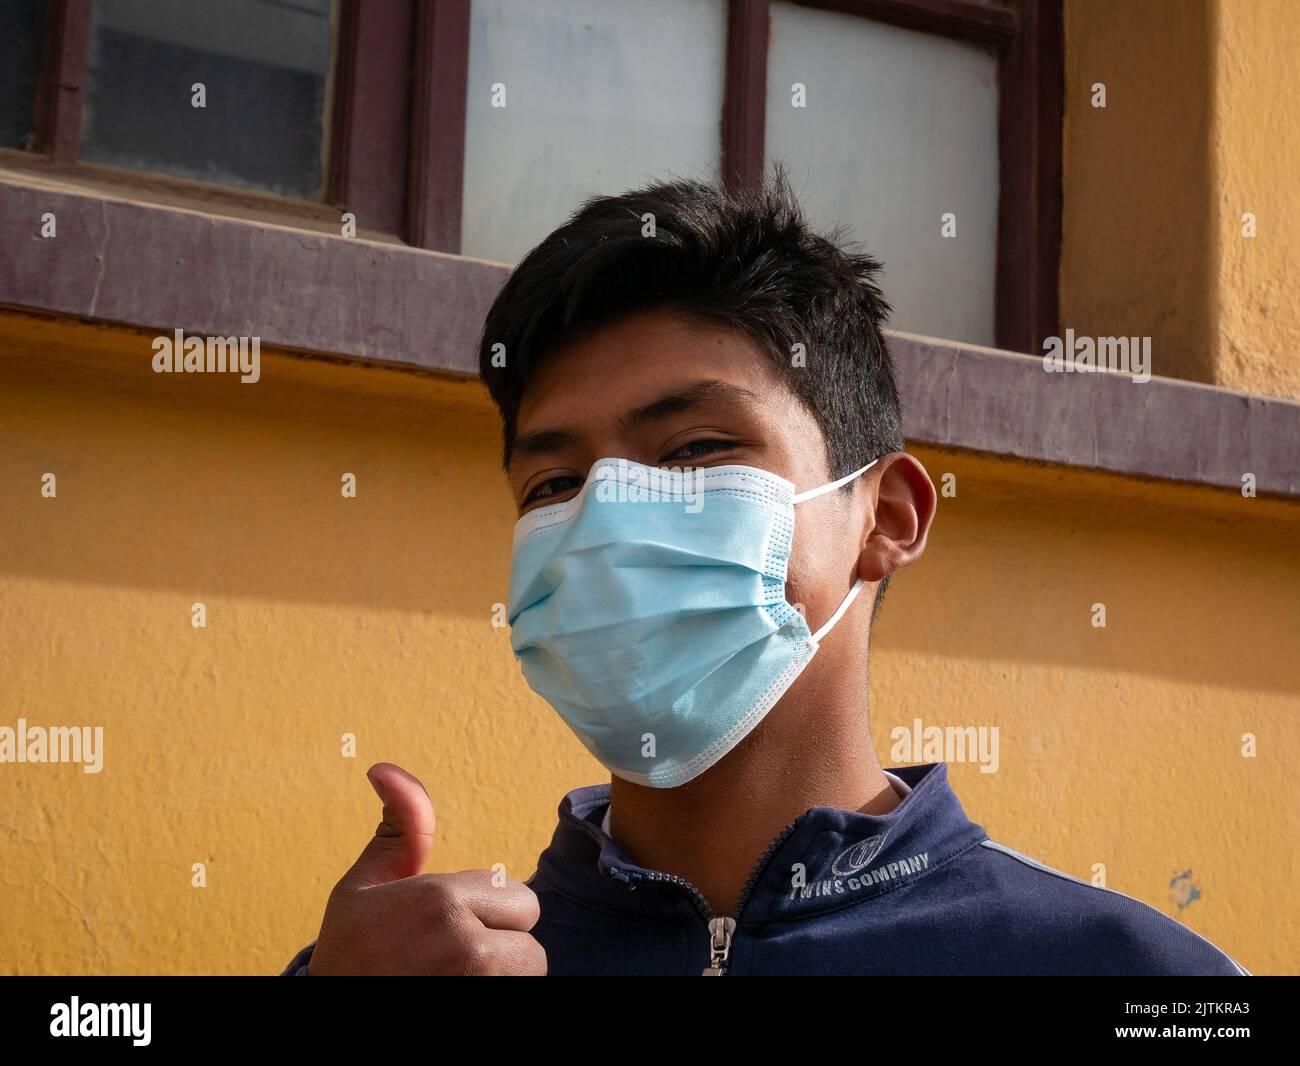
x=919, y=890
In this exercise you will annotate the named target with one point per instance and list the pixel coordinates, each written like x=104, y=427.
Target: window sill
x=162, y=267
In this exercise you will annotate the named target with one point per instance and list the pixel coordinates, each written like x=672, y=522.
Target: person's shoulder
x=1103, y=930
x=298, y=964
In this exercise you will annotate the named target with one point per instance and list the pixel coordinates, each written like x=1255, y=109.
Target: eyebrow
x=683, y=398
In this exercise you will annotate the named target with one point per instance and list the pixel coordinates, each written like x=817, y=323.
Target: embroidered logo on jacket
x=851, y=860
x=840, y=884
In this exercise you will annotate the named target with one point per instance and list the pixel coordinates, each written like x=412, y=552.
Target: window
x=894, y=134
x=390, y=110
x=599, y=96
x=933, y=101
x=921, y=109
x=230, y=93
x=22, y=38
x=159, y=96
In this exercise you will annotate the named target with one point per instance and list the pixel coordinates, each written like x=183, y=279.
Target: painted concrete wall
x=1257, y=150
x=1198, y=130
x=372, y=616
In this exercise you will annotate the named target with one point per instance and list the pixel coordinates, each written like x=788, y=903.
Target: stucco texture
x=373, y=616
x=1199, y=129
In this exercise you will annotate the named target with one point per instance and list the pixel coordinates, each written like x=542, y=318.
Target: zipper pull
x=720, y=931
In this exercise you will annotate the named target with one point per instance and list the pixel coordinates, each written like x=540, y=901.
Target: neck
x=813, y=749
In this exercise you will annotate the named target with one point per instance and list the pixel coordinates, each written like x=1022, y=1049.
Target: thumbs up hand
x=385, y=917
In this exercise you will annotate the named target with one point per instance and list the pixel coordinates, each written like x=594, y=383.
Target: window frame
x=398, y=122
x=1028, y=36
x=373, y=71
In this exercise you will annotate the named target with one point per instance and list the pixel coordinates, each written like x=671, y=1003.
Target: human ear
x=895, y=529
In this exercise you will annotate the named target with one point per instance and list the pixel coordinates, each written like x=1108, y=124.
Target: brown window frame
x=407, y=61
x=1028, y=36
x=398, y=120
x=395, y=151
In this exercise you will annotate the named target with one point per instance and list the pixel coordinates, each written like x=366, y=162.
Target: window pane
x=262, y=65
x=22, y=38
x=601, y=96
x=899, y=129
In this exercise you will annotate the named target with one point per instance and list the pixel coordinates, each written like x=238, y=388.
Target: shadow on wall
x=203, y=486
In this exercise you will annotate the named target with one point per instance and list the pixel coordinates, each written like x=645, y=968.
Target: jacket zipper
x=721, y=930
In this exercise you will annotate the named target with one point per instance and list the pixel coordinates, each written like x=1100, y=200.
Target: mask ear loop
x=799, y=497
x=847, y=602
x=839, y=612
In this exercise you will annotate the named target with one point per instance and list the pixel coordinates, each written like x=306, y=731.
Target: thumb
x=403, y=840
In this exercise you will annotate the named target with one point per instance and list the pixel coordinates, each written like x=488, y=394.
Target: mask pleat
x=661, y=619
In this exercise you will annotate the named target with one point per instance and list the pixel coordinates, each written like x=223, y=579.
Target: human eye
x=697, y=449
x=552, y=488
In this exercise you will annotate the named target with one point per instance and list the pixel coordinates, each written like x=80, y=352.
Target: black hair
x=747, y=260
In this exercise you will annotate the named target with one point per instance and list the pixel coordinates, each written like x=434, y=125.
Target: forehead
x=606, y=371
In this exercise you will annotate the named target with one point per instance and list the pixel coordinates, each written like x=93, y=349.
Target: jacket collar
x=847, y=857
x=901, y=788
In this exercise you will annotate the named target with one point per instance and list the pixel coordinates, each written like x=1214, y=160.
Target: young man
x=704, y=441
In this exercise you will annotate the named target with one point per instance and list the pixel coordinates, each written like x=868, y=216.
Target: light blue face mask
x=650, y=611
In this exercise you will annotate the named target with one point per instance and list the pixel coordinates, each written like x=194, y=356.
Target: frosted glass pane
x=900, y=127
x=263, y=67
x=22, y=37
x=601, y=96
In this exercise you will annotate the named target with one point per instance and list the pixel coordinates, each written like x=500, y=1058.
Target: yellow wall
x=1199, y=128
x=372, y=616
x=1138, y=255
x=1257, y=148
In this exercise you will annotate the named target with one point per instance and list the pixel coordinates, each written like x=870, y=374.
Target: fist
x=385, y=917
